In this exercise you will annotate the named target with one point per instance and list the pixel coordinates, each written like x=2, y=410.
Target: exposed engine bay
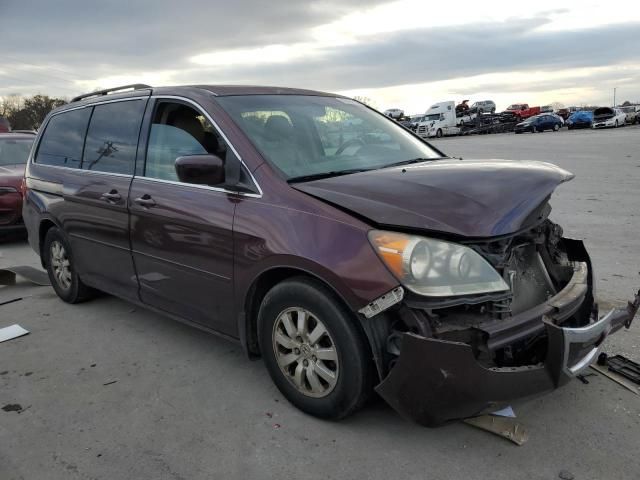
x=536, y=264
x=448, y=358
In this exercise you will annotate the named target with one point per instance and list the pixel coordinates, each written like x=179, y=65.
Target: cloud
x=432, y=54
x=333, y=45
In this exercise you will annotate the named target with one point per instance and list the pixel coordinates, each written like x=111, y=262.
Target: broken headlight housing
x=435, y=268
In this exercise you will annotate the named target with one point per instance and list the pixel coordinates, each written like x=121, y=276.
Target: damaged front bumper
x=435, y=381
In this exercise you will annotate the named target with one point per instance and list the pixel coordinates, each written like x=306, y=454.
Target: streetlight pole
x=614, y=96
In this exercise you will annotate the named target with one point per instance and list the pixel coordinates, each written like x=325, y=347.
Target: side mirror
x=200, y=169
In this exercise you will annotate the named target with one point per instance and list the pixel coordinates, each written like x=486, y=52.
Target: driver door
x=181, y=233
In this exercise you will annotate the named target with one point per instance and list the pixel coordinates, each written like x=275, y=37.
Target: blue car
x=539, y=123
x=581, y=119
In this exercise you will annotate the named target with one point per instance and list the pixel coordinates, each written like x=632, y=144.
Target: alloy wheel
x=61, y=265
x=305, y=352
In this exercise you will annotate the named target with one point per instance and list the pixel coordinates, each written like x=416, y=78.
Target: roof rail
x=97, y=93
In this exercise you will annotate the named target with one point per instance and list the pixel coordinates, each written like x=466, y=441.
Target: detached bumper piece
x=435, y=381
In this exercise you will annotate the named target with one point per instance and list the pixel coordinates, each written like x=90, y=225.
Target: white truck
x=441, y=120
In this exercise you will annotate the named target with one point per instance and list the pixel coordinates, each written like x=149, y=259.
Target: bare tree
x=366, y=100
x=28, y=113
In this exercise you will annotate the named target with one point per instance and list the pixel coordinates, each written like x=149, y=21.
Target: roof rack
x=97, y=93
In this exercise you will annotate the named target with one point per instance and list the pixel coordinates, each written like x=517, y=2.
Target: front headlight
x=435, y=268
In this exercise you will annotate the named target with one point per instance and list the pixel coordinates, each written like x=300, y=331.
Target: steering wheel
x=347, y=144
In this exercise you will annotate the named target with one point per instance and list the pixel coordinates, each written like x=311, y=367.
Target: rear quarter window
x=112, y=137
x=63, y=139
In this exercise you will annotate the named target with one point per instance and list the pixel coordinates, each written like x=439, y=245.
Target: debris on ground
x=505, y=412
x=624, y=367
x=566, y=475
x=12, y=407
x=506, y=427
x=620, y=380
x=11, y=332
x=583, y=377
x=33, y=275
x=110, y=383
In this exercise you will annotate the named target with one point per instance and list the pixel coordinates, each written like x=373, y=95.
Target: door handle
x=112, y=197
x=145, y=201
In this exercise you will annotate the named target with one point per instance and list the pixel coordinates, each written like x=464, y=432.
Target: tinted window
x=14, y=150
x=178, y=130
x=63, y=138
x=112, y=137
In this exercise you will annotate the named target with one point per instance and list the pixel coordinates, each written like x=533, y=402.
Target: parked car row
x=14, y=152
x=540, y=123
x=442, y=119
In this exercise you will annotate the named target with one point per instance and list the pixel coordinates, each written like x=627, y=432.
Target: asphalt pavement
x=108, y=390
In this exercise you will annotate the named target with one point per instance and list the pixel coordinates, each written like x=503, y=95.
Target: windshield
x=515, y=106
x=313, y=135
x=434, y=116
x=14, y=150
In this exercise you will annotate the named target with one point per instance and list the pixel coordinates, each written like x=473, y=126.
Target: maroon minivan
x=321, y=235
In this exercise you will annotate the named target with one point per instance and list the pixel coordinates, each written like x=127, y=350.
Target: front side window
x=306, y=136
x=178, y=130
x=63, y=138
x=112, y=137
x=14, y=151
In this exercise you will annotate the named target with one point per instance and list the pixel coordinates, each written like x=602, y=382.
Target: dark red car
x=14, y=152
x=323, y=236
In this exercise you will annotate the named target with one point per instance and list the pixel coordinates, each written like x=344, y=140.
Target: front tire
x=556, y=127
x=58, y=260
x=439, y=133
x=313, y=349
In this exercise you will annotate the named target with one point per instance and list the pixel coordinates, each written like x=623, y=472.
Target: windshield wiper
x=333, y=173
x=411, y=161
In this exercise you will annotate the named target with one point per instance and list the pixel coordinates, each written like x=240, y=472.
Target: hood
x=603, y=113
x=470, y=198
x=11, y=175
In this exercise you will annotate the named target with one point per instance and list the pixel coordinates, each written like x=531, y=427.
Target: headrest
x=278, y=127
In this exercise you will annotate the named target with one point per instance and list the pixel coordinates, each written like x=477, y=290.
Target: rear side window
x=62, y=140
x=112, y=137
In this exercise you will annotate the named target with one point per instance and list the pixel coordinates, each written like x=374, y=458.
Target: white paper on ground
x=14, y=331
x=505, y=412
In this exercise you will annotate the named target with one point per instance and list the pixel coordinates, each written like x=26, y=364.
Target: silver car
x=484, y=106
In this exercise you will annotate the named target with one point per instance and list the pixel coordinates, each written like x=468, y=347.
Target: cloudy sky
x=404, y=53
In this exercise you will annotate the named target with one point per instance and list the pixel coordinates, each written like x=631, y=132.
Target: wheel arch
x=261, y=284
x=46, y=224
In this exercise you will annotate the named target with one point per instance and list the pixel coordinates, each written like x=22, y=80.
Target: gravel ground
x=108, y=390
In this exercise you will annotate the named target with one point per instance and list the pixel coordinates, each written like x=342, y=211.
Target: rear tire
x=58, y=260
x=328, y=375
x=556, y=127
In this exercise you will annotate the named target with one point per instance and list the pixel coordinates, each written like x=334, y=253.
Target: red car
x=5, y=126
x=522, y=111
x=14, y=151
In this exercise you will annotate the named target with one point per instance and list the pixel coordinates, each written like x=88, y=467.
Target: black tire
x=439, y=133
x=77, y=291
x=354, y=379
